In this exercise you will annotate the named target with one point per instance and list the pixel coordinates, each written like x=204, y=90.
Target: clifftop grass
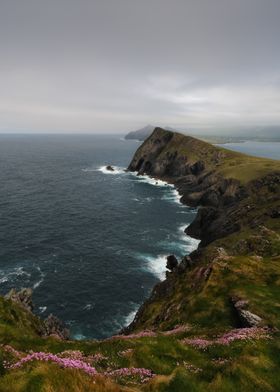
x=230, y=164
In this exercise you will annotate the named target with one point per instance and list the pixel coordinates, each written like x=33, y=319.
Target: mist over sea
x=90, y=243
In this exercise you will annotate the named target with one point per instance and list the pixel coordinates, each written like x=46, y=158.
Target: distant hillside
x=140, y=134
x=217, y=137
x=143, y=133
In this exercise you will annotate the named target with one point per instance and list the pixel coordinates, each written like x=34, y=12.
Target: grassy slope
x=232, y=164
x=203, y=304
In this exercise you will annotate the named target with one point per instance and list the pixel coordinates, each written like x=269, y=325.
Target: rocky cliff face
x=190, y=165
x=230, y=206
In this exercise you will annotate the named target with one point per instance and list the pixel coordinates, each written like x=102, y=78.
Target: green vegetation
x=228, y=163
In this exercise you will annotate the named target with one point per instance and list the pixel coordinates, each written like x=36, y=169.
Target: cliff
x=213, y=323
x=237, y=222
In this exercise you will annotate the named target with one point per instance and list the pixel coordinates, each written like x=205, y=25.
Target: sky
x=105, y=66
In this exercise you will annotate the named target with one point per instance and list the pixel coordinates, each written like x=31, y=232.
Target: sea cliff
x=213, y=323
x=238, y=217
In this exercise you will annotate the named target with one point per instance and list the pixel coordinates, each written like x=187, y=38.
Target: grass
x=228, y=163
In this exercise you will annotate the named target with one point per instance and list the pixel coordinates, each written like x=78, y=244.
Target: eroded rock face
x=161, y=156
x=55, y=327
x=225, y=207
x=22, y=297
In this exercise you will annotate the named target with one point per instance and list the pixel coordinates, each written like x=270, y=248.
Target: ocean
x=91, y=243
x=259, y=149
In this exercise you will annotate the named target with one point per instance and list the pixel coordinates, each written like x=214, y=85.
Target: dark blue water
x=259, y=149
x=91, y=244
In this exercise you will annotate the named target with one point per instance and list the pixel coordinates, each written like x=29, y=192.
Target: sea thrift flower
x=229, y=337
x=198, y=342
x=63, y=362
x=74, y=363
x=126, y=372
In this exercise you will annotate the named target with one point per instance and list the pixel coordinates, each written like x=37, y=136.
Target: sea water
x=90, y=242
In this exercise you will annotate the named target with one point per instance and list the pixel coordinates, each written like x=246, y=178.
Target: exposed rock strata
x=226, y=207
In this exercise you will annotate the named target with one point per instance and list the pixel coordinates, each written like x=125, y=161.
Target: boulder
x=172, y=262
x=246, y=318
x=110, y=168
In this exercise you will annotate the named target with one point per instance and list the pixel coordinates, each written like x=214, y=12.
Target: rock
x=197, y=167
x=172, y=262
x=22, y=297
x=275, y=213
x=110, y=168
x=249, y=319
x=246, y=318
x=55, y=327
x=185, y=264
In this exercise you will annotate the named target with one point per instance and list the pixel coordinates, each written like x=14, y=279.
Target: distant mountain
x=144, y=133
x=140, y=134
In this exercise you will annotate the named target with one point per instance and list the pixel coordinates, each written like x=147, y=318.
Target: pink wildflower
x=63, y=362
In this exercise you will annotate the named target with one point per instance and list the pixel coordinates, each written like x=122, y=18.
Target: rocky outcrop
x=51, y=326
x=172, y=262
x=193, y=166
x=22, y=297
x=246, y=318
x=190, y=165
x=55, y=328
x=110, y=168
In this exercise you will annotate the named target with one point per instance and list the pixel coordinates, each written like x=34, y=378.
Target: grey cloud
x=112, y=65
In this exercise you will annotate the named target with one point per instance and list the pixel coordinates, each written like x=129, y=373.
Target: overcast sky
x=116, y=65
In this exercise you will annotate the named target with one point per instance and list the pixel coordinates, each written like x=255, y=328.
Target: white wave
x=42, y=309
x=102, y=169
x=154, y=264
x=130, y=317
x=17, y=271
x=150, y=180
x=79, y=336
x=173, y=196
x=88, y=307
x=191, y=244
x=37, y=284
x=117, y=170
x=41, y=279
